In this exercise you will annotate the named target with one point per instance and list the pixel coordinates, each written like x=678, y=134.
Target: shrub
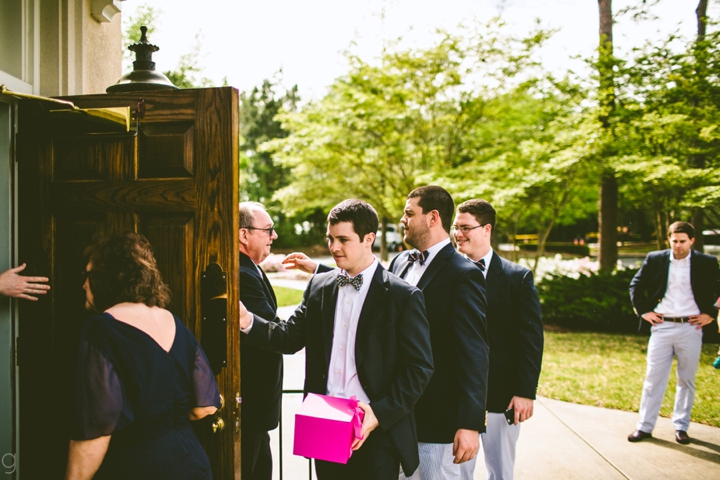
x=594, y=301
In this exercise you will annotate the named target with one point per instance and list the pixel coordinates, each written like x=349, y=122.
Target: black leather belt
x=676, y=319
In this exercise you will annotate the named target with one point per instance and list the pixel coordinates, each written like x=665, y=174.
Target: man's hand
x=14, y=285
x=700, y=320
x=370, y=422
x=299, y=261
x=523, y=408
x=653, y=318
x=245, y=317
x=466, y=445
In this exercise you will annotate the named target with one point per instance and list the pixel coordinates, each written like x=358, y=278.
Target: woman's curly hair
x=123, y=269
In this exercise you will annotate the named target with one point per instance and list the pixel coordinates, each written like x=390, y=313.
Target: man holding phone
x=515, y=335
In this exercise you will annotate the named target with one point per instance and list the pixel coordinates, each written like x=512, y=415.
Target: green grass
x=607, y=370
x=288, y=296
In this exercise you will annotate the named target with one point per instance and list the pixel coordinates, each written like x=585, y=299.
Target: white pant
x=436, y=463
x=669, y=339
x=498, y=444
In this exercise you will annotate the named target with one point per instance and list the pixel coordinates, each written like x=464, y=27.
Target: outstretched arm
x=17, y=286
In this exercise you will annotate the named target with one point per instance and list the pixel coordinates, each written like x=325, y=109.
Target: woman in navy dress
x=141, y=375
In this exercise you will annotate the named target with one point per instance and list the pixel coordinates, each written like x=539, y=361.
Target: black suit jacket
x=516, y=333
x=392, y=349
x=455, y=398
x=648, y=286
x=261, y=370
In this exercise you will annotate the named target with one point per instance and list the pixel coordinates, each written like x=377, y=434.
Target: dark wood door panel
x=177, y=183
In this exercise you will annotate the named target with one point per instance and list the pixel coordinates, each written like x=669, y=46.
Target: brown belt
x=676, y=319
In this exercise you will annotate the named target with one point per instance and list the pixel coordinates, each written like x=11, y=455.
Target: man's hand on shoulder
x=524, y=408
x=652, y=318
x=299, y=261
x=466, y=445
x=700, y=320
x=370, y=423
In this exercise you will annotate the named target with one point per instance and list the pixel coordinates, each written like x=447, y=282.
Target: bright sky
x=247, y=41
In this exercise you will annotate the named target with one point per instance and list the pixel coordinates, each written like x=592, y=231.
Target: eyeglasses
x=269, y=231
x=465, y=229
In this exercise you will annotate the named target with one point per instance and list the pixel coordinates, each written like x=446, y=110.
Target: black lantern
x=143, y=77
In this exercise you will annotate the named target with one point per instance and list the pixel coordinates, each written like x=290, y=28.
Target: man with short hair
x=674, y=292
x=366, y=335
x=515, y=333
x=261, y=387
x=451, y=412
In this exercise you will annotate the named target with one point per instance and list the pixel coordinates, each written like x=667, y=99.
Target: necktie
x=481, y=264
x=415, y=256
x=343, y=279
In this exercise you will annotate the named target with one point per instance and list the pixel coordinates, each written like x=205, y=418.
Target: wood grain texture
x=71, y=190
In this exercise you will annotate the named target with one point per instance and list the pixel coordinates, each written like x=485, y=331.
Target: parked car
x=712, y=241
x=393, y=236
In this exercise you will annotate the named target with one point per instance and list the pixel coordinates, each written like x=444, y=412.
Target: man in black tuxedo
x=366, y=334
x=451, y=412
x=674, y=291
x=261, y=370
x=516, y=337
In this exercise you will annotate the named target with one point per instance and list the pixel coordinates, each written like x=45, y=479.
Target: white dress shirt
x=343, y=379
x=679, y=300
x=416, y=271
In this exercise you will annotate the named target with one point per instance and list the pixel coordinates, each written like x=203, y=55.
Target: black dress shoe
x=682, y=437
x=639, y=435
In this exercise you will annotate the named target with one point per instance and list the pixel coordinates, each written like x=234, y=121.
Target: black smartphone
x=510, y=416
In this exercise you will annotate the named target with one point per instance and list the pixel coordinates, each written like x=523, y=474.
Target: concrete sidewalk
x=561, y=441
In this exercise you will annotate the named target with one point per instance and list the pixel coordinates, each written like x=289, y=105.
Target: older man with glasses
x=261, y=387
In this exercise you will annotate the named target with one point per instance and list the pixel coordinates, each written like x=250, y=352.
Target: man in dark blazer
x=366, y=334
x=261, y=370
x=674, y=291
x=451, y=412
x=516, y=337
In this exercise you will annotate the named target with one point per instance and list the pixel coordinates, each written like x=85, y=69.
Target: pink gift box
x=325, y=427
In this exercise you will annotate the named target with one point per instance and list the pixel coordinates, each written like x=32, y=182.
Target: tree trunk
x=607, y=220
x=383, y=240
x=608, y=203
x=698, y=160
x=701, y=13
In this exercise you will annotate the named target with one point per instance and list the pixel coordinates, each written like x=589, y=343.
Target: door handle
x=218, y=425
x=213, y=286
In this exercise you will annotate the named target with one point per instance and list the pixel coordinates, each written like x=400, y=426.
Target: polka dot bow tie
x=343, y=279
x=416, y=256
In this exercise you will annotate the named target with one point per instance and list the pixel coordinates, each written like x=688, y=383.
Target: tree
x=608, y=198
x=389, y=126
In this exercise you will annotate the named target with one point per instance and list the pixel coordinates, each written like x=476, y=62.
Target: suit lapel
x=368, y=314
x=436, y=265
x=495, y=276
x=329, y=302
x=268, y=289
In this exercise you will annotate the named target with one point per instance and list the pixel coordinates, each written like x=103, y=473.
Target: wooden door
x=176, y=182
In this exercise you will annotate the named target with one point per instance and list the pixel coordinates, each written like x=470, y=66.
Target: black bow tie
x=343, y=279
x=480, y=264
x=415, y=256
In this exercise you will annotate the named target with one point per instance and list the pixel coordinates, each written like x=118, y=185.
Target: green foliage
x=389, y=126
x=597, y=302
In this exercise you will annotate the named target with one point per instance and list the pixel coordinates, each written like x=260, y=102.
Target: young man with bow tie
x=366, y=334
x=516, y=338
x=451, y=412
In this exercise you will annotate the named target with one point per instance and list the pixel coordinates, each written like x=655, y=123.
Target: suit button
x=323, y=376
